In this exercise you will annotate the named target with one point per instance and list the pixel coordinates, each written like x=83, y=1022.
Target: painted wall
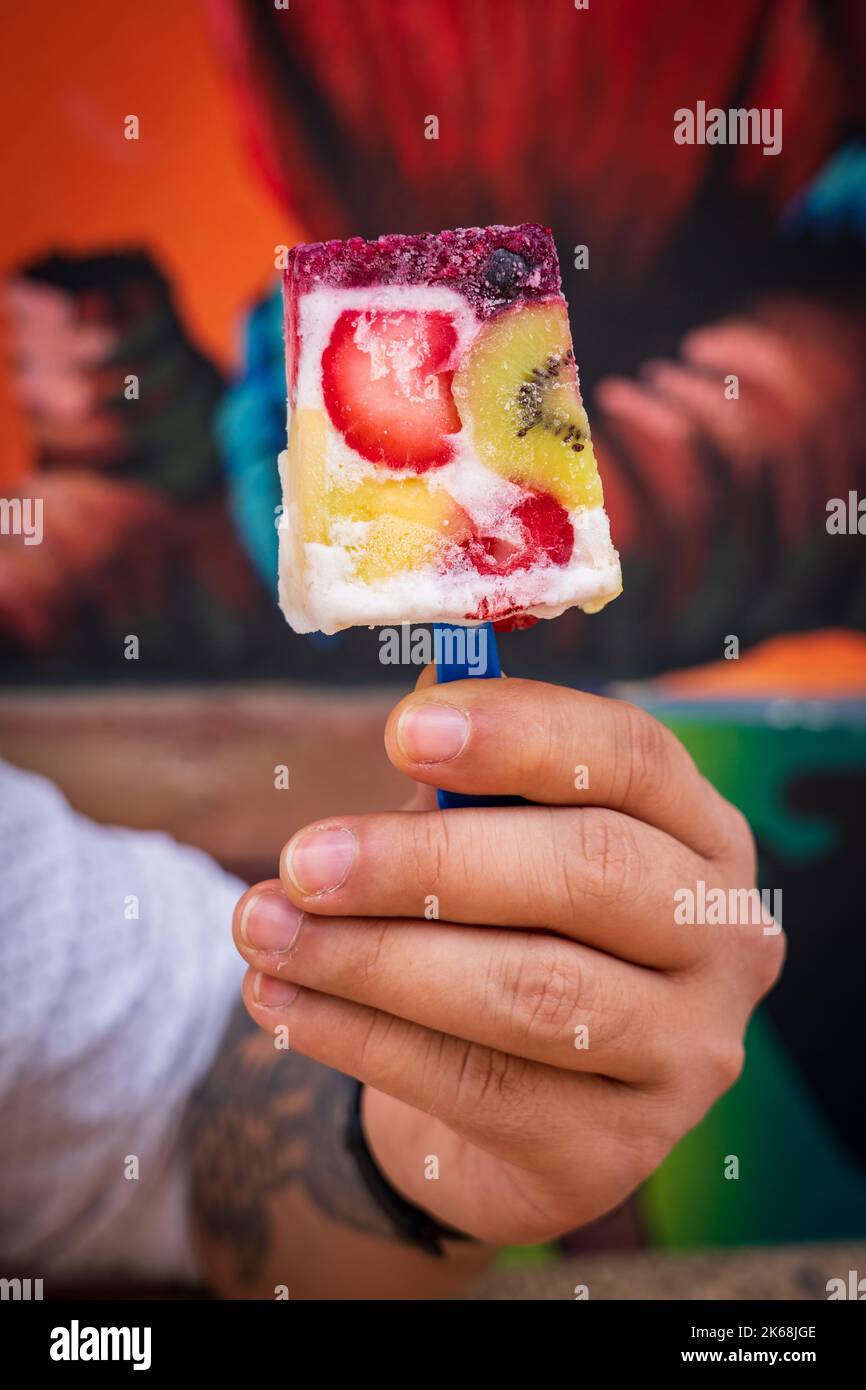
x=69, y=74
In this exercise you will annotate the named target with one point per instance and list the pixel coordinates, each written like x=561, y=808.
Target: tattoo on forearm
x=262, y=1120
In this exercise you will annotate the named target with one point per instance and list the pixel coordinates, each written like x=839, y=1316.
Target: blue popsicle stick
x=450, y=641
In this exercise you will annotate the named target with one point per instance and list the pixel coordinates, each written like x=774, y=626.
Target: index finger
x=558, y=747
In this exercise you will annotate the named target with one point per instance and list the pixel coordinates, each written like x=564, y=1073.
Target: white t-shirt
x=117, y=978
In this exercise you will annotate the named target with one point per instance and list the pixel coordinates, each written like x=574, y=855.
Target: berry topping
x=386, y=380
x=543, y=533
x=459, y=259
x=515, y=623
x=505, y=271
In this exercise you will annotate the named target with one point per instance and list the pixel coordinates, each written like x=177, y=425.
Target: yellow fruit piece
x=306, y=471
x=409, y=523
x=392, y=545
x=517, y=391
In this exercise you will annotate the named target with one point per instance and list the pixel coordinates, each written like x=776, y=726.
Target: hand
x=777, y=396
x=552, y=918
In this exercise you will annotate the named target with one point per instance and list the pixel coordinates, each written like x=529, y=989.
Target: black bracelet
x=412, y=1224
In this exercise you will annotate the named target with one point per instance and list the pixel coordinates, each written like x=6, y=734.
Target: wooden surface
x=772, y=1273
x=199, y=763
x=776, y=1272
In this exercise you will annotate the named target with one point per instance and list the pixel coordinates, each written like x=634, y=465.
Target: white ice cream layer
x=318, y=588
x=323, y=595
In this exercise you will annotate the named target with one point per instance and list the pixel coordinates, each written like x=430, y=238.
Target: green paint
x=795, y=1180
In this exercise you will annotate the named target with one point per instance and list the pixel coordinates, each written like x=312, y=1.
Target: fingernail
x=270, y=922
x=432, y=732
x=274, y=994
x=319, y=860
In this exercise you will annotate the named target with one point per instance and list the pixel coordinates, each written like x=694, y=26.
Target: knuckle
x=430, y=848
x=770, y=961
x=643, y=755
x=611, y=868
x=437, y=1055
x=759, y=945
x=722, y=1065
x=649, y=1130
x=370, y=956
x=425, y=849
x=644, y=1135
x=376, y=1037
x=485, y=1080
x=544, y=990
x=738, y=840
x=542, y=715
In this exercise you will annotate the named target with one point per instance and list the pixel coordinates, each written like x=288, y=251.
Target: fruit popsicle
x=439, y=464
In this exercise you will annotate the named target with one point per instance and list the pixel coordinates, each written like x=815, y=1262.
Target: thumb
x=422, y=796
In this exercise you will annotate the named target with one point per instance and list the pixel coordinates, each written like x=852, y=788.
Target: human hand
x=552, y=918
x=776, y=394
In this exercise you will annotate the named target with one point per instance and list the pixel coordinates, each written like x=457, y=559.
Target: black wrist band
x=412, y=1224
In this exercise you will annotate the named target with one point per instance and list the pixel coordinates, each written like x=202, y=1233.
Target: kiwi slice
x=540, y=408
x=517, y=390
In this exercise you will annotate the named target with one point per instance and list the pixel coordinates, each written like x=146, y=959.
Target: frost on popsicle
x=439, y=464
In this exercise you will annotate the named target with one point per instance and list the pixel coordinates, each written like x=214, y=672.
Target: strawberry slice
x=545, y=534
x=387, y=385
x=516, y=623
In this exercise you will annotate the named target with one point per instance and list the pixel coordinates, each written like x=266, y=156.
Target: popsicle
x=439, y=464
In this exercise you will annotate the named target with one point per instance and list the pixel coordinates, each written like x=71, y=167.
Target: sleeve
x=117, y=978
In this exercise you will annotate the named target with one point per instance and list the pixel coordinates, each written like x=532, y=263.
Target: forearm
x=278, y=1203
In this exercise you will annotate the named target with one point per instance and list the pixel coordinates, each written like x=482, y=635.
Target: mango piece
x=306, y=471
x=410, y=523
x=392, y=545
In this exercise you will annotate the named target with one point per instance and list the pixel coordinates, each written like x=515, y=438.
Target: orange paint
x=186, y=191
x=807, y=665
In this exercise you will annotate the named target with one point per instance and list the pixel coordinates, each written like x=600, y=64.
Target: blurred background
x=717, y=300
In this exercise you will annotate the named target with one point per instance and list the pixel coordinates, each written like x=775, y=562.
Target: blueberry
x=505, y=270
